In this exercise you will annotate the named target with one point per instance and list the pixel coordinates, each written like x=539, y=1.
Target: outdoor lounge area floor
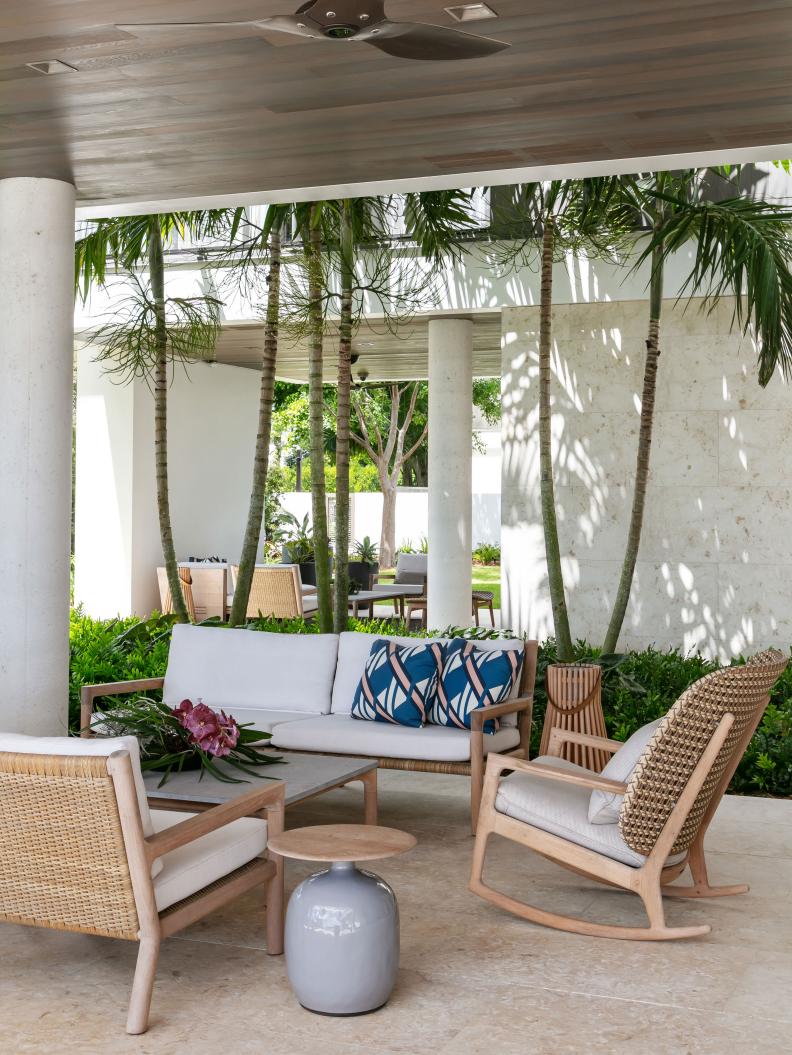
x=473, y=980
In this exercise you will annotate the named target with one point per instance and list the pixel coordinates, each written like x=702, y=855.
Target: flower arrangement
x=190, y=736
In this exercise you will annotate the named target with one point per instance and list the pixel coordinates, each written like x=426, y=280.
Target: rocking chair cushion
x=604, y=806
x=562, y=809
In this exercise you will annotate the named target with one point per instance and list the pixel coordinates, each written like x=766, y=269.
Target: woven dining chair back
x=276, y=591
x=166, y=598
x=63, y=862
x=667, y=764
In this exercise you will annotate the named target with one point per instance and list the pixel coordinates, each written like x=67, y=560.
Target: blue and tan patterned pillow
x=472, y=678
x=398, y=683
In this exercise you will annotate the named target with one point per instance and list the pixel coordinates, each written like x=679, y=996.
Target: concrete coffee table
x=342, y=924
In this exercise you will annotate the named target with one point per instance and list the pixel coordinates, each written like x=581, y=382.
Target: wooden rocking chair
x=668, y=803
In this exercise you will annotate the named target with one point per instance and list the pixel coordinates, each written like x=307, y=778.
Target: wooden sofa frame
x=522, y=706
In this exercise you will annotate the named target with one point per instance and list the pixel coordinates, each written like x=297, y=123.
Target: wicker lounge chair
x=80, y=851
x=667, y=805
x=166, y=598
x=277, y=591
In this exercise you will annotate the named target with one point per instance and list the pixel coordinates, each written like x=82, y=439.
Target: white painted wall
x=715, y=565
x=212, y=421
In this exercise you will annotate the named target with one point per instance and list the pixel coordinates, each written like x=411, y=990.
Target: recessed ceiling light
x=471, y=12
x=51, y=66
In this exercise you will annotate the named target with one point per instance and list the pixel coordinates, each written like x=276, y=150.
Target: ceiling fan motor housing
x=343, y=19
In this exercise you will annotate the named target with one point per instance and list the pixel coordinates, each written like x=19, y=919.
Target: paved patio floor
x=473, y=980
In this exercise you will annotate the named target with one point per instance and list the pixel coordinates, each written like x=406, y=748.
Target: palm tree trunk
x=644, y=450
x=341, y=607
x=316, y=428
x=157, y=280
x=555, y=575
x=250, y=542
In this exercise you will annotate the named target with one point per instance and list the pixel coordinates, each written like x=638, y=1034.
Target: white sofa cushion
x=343, y=734
x=562, y=809
x=250, y=669
x=265, y=721
x=604, y=806
x=194, y=866
x=353, y=651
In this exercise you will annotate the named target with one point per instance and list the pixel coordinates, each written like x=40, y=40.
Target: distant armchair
x=661, y=808
x=81, y=851
x=277, y=591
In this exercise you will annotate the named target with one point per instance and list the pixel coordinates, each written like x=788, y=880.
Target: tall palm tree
x=742, y=250
x=269, y=237
x=565, y=216
x=344, y=388
x=150, y=330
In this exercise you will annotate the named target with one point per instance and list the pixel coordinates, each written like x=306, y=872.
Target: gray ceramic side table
x=342, y=924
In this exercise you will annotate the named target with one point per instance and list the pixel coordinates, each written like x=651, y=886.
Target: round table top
x=341, y=842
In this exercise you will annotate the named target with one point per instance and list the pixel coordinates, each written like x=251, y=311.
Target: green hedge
x=637, y=686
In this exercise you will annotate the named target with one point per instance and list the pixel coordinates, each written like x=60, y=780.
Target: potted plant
x=297, y=546
x=363, y=563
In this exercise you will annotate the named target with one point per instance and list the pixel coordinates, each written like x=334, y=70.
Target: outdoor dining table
x=368, y=598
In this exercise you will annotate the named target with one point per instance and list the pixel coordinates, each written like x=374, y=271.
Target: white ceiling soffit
x=492, y=177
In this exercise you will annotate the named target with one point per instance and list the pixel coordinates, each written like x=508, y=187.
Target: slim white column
x=36, y=367
x=450, y=471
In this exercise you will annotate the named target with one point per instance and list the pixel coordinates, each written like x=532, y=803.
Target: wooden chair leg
x=701, y=884
x=143, y=985
x=476, y=613
x=492, y=614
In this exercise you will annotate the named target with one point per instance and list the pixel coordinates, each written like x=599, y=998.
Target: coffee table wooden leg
x=369, y=781
x=275, y=897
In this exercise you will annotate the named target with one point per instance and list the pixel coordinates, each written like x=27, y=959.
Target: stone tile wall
x=715, y=565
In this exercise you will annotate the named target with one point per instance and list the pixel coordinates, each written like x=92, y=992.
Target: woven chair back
x=276, y=592
x=209, y=592
x=671, y=756
x=62, y=858
x=166, y=598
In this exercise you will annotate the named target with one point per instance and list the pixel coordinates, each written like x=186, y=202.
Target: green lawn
x=486, y=577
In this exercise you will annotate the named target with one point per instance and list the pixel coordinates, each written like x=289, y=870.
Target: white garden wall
x=715, y=565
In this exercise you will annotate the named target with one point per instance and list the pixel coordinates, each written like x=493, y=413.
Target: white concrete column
x=36, y=369
x=450, y=471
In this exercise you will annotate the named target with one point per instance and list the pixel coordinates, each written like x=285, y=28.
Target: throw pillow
x=398, y=683
x=473, y=678
x=604, y=806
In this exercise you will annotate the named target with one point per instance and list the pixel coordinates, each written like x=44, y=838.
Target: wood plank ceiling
x=382, y=355
x=196, y=112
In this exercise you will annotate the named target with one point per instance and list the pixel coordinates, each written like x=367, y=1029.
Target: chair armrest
x=482, y=714
x=497, y=763
x=269, y=798
x=559, y=737
x=89, y=693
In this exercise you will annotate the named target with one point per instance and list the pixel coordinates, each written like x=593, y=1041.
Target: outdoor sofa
x=300, y=687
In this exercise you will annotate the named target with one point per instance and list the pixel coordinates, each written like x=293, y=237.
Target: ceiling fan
x=364, y=21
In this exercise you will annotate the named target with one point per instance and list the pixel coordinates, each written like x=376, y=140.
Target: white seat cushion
x=343, y=734
x=250, y=669
x=192, y=867
x=265, y=721
x=354, y=649
x=604, y=806
x=562, y=809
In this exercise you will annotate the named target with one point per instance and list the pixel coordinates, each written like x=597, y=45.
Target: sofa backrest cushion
x=411, y=569
x=354, y=649
x=249, y=668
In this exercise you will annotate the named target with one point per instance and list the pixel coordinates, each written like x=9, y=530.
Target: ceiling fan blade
x=416, y=40
x=279, y=24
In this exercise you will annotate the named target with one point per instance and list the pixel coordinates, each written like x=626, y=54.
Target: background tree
x=382, y=435
x=741, y=249
x=148, y=330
